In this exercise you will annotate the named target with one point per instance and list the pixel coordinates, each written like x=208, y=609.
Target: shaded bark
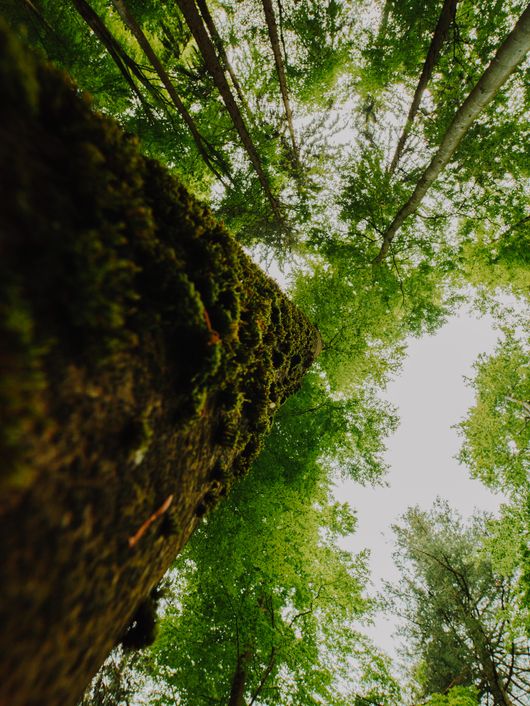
x=213, y=162
x=207, y=49
x=508, y=57
x=439, y=37
x=490, y=673
x=138, y=377
x=276, y=50
x=239, y=680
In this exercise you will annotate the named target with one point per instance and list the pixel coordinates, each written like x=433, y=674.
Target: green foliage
x=507, y=543
x=456, y=605
x=263, y=577
x=457, y=696
x=268, y=554
x=497, y=430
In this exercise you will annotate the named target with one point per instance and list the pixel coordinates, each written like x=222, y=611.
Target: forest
x=175, y=422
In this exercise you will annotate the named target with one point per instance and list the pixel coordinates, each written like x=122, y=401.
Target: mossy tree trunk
x=142, y=357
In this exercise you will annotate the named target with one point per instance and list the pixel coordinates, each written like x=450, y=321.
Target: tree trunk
x=214, y=34
x=276, y=50
x=440, y=35
x=142, y=356
x=142, y=40
x=237, y=691
x=493, y=679
x=207, y=49
x=35, y=11
x=118, y=55
x=510, y=54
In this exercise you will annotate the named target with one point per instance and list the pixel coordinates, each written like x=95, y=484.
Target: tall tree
x=216, y=38
x=143, y=355
x=205, y=150
x=263, y=589
x=123, y=61
x=207, y=49
x=454, y=606
x=508, y=57
x=496, y=450
x=439, y=37
x=276, y=50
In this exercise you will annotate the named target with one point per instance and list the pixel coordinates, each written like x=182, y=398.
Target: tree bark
x=130, y=22
x=218, y=42
x=276, y=50
x=508, y=57
x=492, y=678
x=237, y=691
x=207, y=49
x=138, y=377
x=440, y=35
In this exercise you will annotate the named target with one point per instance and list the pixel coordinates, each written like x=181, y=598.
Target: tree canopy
x=379, y=151
x=454, y=605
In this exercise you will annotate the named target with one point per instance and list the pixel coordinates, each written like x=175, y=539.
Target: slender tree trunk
x=207, y=49
x=508, y=57
x=142, y=40
x=131, y=327
x=125, y=63
x=118, y=55
x=493, y=679
x=276, y=50
x=280, y=27
x=214, y=34
x=35, y=11
x=440, y=35
x=237, y=691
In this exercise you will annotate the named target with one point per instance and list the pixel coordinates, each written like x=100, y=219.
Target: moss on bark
x=143, y=356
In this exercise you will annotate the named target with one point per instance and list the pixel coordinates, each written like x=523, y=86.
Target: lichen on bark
x=143, y=356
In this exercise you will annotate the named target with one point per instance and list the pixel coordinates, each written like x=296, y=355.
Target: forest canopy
x=378, y=153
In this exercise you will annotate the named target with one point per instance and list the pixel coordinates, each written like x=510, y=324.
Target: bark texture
x=510, y=54
x=142, y=356
x=237, y=691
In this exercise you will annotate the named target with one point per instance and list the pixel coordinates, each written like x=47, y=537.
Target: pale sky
x=431, y=396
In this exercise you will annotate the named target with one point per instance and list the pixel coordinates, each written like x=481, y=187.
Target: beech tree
x=439, y=37
x=510, y=54
x=204, y=148
x=207, y=49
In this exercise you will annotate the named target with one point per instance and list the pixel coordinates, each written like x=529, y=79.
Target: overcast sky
x=431, y=396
